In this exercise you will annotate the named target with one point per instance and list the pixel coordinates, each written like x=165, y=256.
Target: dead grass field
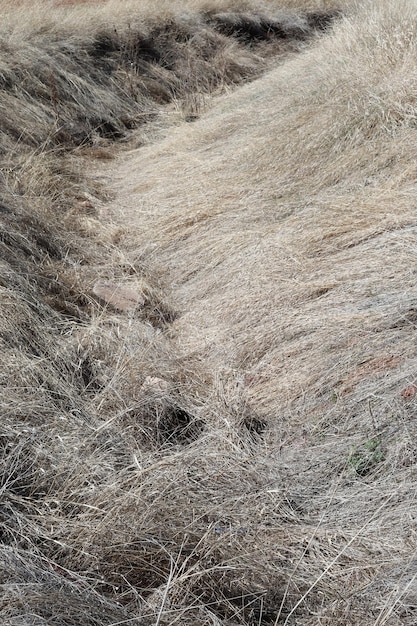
x=207, y=313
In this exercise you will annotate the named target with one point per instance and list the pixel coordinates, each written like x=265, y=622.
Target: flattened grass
x=101, y=442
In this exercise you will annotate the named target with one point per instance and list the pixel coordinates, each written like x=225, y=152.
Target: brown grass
x=207, y=389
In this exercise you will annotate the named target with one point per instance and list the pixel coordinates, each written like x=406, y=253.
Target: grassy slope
x=250, y=461
x=284, y=222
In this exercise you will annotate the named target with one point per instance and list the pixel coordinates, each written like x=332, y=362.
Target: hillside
x=207, y=313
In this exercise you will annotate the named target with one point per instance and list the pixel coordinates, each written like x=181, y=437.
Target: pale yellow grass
x=280, y=205
x=110, y=511
x=209, y=418
x=283, y=225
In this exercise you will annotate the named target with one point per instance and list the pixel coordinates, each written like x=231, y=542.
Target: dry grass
x=208, y=386
x=283, y=224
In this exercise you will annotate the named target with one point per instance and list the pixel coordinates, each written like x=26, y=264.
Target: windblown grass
x=283, y=225
x=208, y=404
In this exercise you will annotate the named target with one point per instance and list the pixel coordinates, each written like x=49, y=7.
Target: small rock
x=120, y=297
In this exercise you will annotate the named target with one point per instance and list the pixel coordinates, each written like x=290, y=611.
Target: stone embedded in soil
x=120, y=297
